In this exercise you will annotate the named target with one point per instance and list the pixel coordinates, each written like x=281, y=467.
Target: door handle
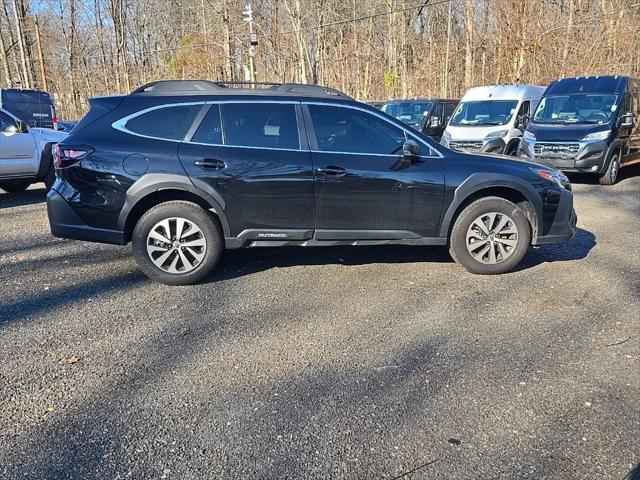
x=210, y=163
x=332, y=171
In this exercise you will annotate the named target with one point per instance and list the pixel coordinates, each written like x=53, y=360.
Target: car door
x=17, y=149
x=255, y=157
x=364, y=189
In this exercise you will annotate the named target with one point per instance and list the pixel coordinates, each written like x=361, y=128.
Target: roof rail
x=179, y=86
x=206, y=86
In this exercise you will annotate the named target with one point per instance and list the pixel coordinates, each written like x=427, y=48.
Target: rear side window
x=210, y=130
x=266, y=125
x=352, y=131
x=170, y=123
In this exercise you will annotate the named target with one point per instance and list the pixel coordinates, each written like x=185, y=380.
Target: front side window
x=353, y=131
x=264, y=125
x=576, y=108
x=6, y=121
x=168, y=123
x=484, y=112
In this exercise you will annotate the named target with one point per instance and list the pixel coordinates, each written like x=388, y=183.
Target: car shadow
x=576, y=249
x=587, y=179
x=239, y=263
x=18, y=199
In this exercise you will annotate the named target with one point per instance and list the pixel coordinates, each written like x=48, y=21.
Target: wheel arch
x=153, y=189
x=482, y=185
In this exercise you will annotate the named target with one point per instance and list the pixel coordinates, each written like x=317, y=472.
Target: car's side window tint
x=265, y=125
x=353, y=131
x=6, y=121
x=171, y=123
x=210, y=130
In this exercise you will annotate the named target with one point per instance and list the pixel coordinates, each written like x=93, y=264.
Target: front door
x=364, y=190
x=259, y=166
x=17, y=150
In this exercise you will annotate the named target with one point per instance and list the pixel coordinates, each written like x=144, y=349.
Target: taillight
x=54, y=120
x=66, y=155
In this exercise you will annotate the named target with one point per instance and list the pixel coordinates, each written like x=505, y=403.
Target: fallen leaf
x=73, y=359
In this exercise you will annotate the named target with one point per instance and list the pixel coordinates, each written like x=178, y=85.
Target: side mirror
x=410, y=149
x=435, y=122
x=522, y=122
x=627, y=120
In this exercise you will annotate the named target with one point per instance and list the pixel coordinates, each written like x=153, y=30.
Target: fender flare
x=154, y=182
x=616, y=144
x=46, y=160
x=480, y=181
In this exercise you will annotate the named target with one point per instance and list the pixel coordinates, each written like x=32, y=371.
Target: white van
x=492, y=119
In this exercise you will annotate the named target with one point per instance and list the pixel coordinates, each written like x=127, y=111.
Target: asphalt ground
x=347, y=362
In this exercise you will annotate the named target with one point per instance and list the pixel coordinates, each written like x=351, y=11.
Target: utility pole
x=43, y=72
x=247, y=16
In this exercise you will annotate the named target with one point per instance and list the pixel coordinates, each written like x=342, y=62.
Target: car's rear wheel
x=177, y=243
x=490, y=236
x=14, y=187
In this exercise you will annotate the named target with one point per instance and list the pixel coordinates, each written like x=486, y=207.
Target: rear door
x=363, y=188
x=255, y=156
x=17, y=150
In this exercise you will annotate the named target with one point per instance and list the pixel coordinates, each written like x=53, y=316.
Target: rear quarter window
x=167, y=123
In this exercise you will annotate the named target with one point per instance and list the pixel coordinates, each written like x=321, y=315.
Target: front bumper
x=65, y=223
x=579, y=157
x=563, y=225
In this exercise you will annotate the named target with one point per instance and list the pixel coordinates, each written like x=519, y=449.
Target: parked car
x=492, y=119
x=34, y=107
x=185, y=169
x=588, y=125
x=25, y=153
x=430, y=116
x=66, y=125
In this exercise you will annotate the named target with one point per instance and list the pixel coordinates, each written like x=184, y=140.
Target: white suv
x=25, y=153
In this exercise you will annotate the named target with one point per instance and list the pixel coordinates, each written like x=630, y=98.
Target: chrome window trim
x=246, y=146
x=121, y=123
x=405, y=130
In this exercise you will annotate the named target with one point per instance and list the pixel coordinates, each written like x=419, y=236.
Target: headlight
x=446, y=138
x=597, y=136
x=498, y=134
x=554, y=176
x=529, y=136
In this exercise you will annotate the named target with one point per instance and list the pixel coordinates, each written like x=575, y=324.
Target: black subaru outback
x=185, y=169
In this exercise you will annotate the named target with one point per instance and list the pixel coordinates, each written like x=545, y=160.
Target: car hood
x=460, y=132
x=564, y=133
x=48, y=134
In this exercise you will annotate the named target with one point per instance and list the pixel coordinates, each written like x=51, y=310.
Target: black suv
x=185, y=169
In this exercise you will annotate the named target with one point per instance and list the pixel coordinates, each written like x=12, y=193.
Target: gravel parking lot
x=369, y=362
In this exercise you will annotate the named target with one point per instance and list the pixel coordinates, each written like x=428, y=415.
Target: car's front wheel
x=491, y=235
x=177, y=243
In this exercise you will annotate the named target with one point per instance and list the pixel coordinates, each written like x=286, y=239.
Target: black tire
x=610, y=175
x=512, y=150
x=15, y=187
x=458, y=240
x=191, y=212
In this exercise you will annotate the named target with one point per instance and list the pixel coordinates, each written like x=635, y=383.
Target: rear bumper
x=564, y=223
x=65, y=223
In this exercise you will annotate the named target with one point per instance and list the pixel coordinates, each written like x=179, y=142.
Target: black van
x=33, y=107
x=587, y=125
x=429, y=115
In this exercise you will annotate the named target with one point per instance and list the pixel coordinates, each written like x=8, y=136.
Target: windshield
x=576, y=108
x=407, y=112
x=485, y=112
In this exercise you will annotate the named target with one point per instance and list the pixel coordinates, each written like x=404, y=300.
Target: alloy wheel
x=176, y=245
x=492, y=238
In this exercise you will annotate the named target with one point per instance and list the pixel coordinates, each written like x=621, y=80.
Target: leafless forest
x=371, y=49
